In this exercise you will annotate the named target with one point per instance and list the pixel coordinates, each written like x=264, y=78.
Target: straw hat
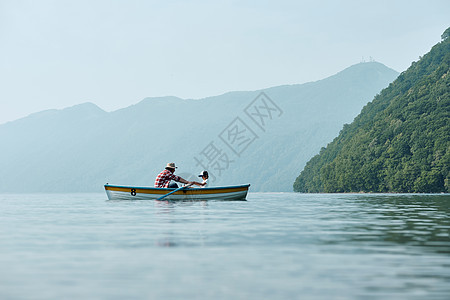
x=171, y=165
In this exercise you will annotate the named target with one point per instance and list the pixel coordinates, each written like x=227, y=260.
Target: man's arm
x=184, y=181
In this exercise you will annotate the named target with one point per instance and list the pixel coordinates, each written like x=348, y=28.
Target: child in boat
x=204, y=175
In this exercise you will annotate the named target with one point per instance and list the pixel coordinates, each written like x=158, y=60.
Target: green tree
x=446, y=34
x=400, y=142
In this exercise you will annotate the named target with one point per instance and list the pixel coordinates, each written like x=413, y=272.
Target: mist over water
x=262, y=137
x=273, y=246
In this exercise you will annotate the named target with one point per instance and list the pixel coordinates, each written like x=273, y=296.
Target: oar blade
x=174, y=191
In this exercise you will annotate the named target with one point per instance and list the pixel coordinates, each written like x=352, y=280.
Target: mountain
x=400, y=142
x=260, y=137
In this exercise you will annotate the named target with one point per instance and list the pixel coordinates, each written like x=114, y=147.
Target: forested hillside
x=400, y=142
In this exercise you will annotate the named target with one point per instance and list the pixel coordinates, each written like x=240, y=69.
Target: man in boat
x=163, y=179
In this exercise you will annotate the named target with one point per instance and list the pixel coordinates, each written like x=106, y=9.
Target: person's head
x=204, y=175
x=171, y=167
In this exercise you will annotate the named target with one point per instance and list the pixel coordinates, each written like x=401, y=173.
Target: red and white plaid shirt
x=163, y=179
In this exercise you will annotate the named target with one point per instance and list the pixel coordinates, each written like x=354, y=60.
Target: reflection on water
x=173, y=231
x=273, y=246
x=416, y=220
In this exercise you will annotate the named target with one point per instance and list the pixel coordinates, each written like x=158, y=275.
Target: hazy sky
x=57, y=53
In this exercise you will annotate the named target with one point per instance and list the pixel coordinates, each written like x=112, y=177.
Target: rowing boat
x=120, y=192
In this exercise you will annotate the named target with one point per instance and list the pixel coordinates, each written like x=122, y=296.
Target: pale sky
x=58, y=53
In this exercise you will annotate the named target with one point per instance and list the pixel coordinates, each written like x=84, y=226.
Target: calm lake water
x=273, y=246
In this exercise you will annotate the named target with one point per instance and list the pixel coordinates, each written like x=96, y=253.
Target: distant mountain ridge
x=400, y=142
x=260, y=137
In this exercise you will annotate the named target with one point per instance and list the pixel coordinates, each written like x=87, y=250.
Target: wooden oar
x=178, y=189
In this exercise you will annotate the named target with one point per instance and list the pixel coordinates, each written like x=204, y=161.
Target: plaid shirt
x=163, y=179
